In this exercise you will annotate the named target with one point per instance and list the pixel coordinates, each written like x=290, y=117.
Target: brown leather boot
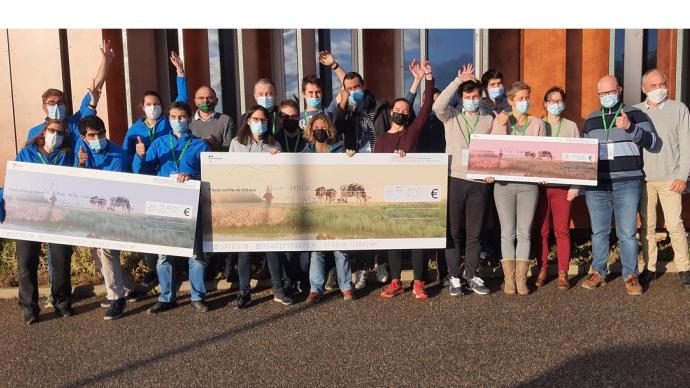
x=508, y=276
x=521, y=269
x=541, y=279
x=563, y=283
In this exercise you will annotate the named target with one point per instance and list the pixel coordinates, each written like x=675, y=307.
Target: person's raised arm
x=417, y=75
x=442, y=107
x=182, y=93
x=326, y=59
x=107, y=55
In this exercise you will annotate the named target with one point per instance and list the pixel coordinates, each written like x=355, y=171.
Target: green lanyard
x=152, y=131
x=608, y=127
x=287, y=143
x=45, y=161
x=524, y=129
x=467, y=124
x=177, y=160
x=274, y=123
x=560, y=121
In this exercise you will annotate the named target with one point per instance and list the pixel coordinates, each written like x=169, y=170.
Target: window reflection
x=448, y=51
x=411, y=50
x=341, y=48
x=619, y=55
x=290, y=65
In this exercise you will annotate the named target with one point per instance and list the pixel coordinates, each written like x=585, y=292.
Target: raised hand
x=141, y=147
x=416, y=69
x=326, y=59
x=95, y=93
x=426, y=67
x=107, y=52
x=177, y=62
x=467, y=73
x=622, y=121
x=83, y=156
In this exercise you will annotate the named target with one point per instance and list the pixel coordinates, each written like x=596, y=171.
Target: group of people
x=643, y=159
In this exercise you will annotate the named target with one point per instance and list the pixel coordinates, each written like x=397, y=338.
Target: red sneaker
x=418, y=290
x=313, y=297
x=393, y=289
x=348, y=295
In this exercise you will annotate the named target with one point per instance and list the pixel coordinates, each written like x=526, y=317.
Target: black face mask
x=320, y=135
x=400, y=118
x=290, y=125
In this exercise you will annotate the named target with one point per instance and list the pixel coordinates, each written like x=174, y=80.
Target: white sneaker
x=381, y=272
x=331, y=281
x=360, y=279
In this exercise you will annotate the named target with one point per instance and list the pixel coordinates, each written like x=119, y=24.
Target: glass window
x=290, y=65
x=214, y=66
x=619, y=55
x=341, y=48
x=411, y=51
x=449, y=50
x=650, y=41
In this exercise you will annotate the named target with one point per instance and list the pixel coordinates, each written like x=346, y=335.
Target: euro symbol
x=187, y=211
x=434, y=193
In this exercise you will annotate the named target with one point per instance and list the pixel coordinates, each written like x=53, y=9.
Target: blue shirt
x=161, y=128
x=31, y=154
x=186, y=149
x=111, y=158
x=72, y=121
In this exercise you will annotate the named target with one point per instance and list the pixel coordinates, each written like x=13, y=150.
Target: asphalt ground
x=581, y=337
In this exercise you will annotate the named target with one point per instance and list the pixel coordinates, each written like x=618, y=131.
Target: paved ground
x=578, y=338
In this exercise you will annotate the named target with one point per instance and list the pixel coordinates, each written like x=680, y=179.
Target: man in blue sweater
x=622, y=133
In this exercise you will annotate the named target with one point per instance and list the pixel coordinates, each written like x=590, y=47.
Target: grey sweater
x=672, y=124
x=220, y=126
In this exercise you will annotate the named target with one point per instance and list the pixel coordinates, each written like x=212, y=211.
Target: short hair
x=650, y=71
x=93, y=122
x=330, y=129
x=516, y=87
x=264, y=81
x=353, y=75
x=210, y=88
x=554, y=89
x=310, y=79
x=52, y=92
x=469, y=86
x=290, y=103
x=181, y=106
x=243, y=134
x=151, y=93
x=489, y=75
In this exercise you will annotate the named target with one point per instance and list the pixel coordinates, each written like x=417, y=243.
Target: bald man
x=622, y=133
x=666, y=175
x=217, y=129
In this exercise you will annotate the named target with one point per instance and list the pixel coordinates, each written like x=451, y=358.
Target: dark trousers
x=466, y=208
x=418, y=263
x=295, y=267
x=61, y=284
x=244, y=267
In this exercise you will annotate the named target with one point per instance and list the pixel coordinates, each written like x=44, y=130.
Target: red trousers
x=553, y=202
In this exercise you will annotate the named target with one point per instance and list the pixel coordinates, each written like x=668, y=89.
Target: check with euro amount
x=257, y=202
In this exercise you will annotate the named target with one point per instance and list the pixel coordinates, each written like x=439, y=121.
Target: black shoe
x=242, y=301
x=200, y=305
x=135, y=296
x=64, y=312
x=646, y=276
x=117, y=307
x=162, y=306
x=684, y=278
x=150, y=279
x=280, y=297
x=31, y=318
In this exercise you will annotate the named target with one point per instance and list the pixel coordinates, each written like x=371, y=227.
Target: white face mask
x=657, y=96
x=52, y=141
x=153, y=112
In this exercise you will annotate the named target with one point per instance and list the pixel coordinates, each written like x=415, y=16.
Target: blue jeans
x=166, y=277
x=317, y=269
x=623, y=200
x=244, y=269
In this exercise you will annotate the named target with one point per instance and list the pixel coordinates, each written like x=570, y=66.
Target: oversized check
x=257, y=202
x=104, y=209
x=557, y=160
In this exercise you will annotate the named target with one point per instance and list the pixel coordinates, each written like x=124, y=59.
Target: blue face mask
x=313, y=102
x=57, y=111
x=609, y=100
x=265, y=101
x=555, y=109
x=258, y=128
x=470, y=105
x=98, y=145
x=356, y=96
x=495, y=93
x=179, y=126
x=522, y=106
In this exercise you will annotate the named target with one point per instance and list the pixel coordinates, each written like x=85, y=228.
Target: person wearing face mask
x=105, y=155
x=495, y=101
x=54, y=100
x=555, y=200
x=177, y=155
x=622, y=133
x=321, y=137
x=264, y=95
x=402, y=138
x=49, y=147
x=666, y=174
x=216, y=128
x=466, y=198
x=289, y=135
x=311, y=93
x=516, y=202
x=255, y=136
x=152, y=126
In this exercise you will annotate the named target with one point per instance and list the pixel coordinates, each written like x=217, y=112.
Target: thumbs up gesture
x=141, y=147
x=622, y=121
x=83, y=156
